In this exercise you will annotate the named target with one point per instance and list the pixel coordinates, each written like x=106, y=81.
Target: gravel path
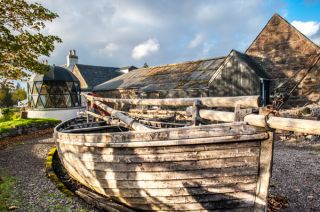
x=26, y=162
x=296, y=176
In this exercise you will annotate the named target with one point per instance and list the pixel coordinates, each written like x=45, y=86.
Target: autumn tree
x=5, y=97
x=21, y=39
x=18, y=94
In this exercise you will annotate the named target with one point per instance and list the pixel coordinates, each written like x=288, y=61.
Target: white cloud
x=207, y=47
x=110, y=49
x=197, y=40
x=110, y=33
x=308, y=28
x=146, y=48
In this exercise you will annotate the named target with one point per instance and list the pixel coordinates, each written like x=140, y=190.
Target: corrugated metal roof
x=187, y=75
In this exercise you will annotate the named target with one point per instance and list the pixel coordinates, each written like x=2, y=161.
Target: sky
x=119, y=33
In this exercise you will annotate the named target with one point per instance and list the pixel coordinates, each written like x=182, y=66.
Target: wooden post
x=265, y=169
x=195, y=112
x=237, y=113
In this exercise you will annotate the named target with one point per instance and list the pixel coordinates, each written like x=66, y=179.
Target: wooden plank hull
x=181, y=169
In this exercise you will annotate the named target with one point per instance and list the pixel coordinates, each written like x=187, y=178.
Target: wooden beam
x=126, y=119
x=244, y=101
x=279, y=123
x=288, y=124
x=214, y=115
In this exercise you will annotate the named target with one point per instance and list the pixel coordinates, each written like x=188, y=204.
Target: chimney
x=72, y=59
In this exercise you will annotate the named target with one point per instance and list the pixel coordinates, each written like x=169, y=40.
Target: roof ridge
x=95, y=66
x=180, y=63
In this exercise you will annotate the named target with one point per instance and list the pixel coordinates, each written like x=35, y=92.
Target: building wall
x=235, y=79
x=134, y=93
x=60, y=114
x=283, y=51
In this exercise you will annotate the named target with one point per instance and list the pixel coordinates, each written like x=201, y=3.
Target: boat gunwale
x=56, y=131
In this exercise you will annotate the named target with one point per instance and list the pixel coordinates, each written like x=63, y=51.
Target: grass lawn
x=7, y=125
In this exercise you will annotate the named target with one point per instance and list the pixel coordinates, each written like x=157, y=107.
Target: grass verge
x=5, y=126
x=9, y=198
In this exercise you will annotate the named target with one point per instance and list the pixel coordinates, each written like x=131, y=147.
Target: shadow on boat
x=216, y=176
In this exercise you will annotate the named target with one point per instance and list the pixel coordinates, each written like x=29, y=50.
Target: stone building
x=289, y=57
x=234, y=75
x=276, y=60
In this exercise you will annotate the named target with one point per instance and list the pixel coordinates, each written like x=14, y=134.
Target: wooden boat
x=212, y=167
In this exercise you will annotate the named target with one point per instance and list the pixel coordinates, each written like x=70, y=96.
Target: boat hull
x=202, y=168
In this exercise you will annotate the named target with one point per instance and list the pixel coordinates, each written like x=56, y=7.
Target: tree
x=5, y=97
x=21, y=41
x=18, y=95
x=145, y=65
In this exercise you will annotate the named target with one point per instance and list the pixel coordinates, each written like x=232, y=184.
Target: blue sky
x=308, y=10
x=130, y=32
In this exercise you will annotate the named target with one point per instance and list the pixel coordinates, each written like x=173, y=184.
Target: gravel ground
x=26, y=162
x=296, y=176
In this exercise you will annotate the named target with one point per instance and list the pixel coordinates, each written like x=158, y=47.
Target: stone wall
x=23, y=130
x=284, y=51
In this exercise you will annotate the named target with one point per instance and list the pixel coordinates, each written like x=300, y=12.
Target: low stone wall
x=23, y=130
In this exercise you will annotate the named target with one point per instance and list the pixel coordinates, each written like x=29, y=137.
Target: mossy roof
x=186, y=75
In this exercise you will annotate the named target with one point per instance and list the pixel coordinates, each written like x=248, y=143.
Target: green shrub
x=9, y=114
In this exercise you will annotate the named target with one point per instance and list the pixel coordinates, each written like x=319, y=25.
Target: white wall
x=60, y=114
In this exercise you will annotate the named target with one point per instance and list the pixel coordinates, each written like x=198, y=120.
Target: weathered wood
x=288, y=124
x=195, y=112
x=217, y=115
x=105, y=118
x=100, y=202
x=127, y=120
x=265, y=170
x=244, y=101
x=160, y=176
x=279, y=123
x=193, y=199
x=80, y=148
x=191, y=156
x=204, y=131
x=194, y=168
x=173, y=192
x=166, y=166
x=191, y=141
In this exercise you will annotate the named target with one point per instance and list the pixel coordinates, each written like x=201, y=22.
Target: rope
x=278, y=103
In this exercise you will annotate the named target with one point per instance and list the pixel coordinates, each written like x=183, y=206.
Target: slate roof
x=55, y=73
x=95, y=75
x=187, y=75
